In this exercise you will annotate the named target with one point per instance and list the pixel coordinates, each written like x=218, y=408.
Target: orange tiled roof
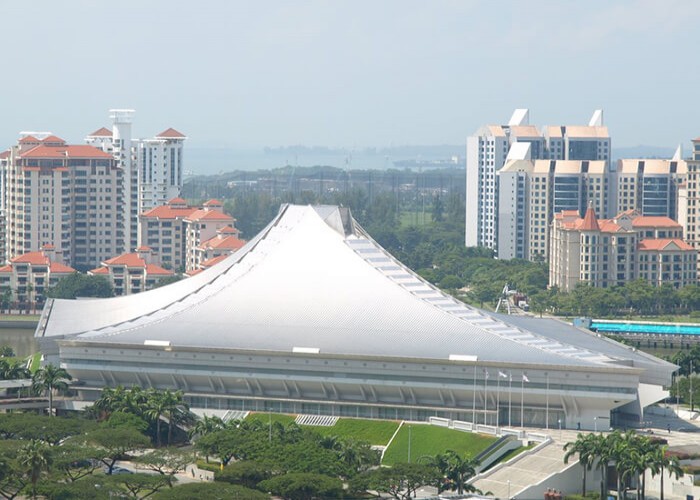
x=143, y=248
x=53, y=139
x=210, y=214
x=176, y=201
x=227, y=230
x=28, y=138
x=226, y=243
x=590, y=222
x=213, y=261
x=609, y=226
x=168, y=212
x=6, y=269
x=4, y=154
x=663, y=243
x=57, y=267
x=154, y=269
x=126, y=259
x=171, y=133
x=101, y=132
x=99, y=270
x=34, y=258
x=654, y=221
x=79, y=151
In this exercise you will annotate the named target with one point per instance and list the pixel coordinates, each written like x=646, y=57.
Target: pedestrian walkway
x=317, y=420
x=508, y=481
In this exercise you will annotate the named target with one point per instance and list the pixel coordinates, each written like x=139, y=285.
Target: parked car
x=118, y=470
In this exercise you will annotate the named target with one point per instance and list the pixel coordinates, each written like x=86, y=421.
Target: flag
x=525, y=379
x=501, y=374
x=486, y=374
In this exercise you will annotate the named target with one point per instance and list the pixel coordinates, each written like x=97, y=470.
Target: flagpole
x=474, y=399
x=498, y=399
x=522, y=401
x=546, y=417
x=486, y=394
x=510, y=397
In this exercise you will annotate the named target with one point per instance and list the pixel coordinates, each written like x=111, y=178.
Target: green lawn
x=20, y=317
x=376, y=432
x=428, y=440
x=36, y=362
x=418, y=218
x=276, y=417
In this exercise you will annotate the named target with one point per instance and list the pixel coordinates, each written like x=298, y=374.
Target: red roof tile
x=101, y=132
x=28, y=138
x=34, y=258
x=208, y=215
x=126, y=259
x=168, y=212
x=654, y=221
x=6, y=269
x=193, y=272
x=79, y=151
x=176, y=201
x=227, y=230
x=663, y=243
x=213, y=203
x=154, y=269
x=590, y=222
x=58, y=268
x=52, y=139
x=99, y=270
x=171, y=133
x=143, y=248
x=213, y=261
x=4, y=154
x=227, y=243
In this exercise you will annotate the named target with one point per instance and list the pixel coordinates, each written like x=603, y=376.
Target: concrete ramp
x=523, y=471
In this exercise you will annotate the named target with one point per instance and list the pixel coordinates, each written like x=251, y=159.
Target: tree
x=138, y=484
x=584, y=447
x=34, y=458
x=205, y=426
x=400, y=481
x=303, y=486
x=50, y=378
x=114, y=443
x=7, y=351
x=166, y=461
x=210, y=491
x=81, y=285
x=661, y=461
x=75, y=460
x=247, y=473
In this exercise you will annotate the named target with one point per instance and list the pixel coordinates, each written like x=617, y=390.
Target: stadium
x=314, y=317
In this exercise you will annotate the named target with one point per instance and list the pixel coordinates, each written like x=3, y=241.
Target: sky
x=351, y=73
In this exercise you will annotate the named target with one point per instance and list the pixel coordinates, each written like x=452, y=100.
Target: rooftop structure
x=312, y=315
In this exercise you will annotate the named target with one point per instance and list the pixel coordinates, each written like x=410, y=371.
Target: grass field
x=376, y=432
x=428, y=440
x=407, y=218
x=276, y=417
x=20, y=317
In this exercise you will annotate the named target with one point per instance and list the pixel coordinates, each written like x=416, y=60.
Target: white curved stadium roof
x=313, y=281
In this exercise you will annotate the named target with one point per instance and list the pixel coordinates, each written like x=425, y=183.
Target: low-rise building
x=202, y=225
x=163, y=230
x=132, y=272
x=224, y=243
x=615, y=251
x=27, y=277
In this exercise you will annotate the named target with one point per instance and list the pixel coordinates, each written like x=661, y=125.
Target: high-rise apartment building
x=153, y=168
x=651, y=186
x=532, y=191
x=69, y=196
x=160, y=169
x=490, y=148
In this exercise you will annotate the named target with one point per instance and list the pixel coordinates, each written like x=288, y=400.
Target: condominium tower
x=492, y=145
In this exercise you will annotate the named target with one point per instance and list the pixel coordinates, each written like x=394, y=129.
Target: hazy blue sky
x=344, y=73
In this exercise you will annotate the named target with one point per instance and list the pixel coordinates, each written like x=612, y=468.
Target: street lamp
x=559, y=422
x=269, y=416
x=595, y=424
x=509, y=489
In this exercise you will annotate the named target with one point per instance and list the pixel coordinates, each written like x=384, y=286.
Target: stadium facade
x=313, y=316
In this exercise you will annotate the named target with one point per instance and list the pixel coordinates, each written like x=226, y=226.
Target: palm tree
x=50, y=378
x=661, y=460
x=35, y=457
x=157, y=406
x=205, y=426
x=584, y=447
x=457, y=470
x=174, y=406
